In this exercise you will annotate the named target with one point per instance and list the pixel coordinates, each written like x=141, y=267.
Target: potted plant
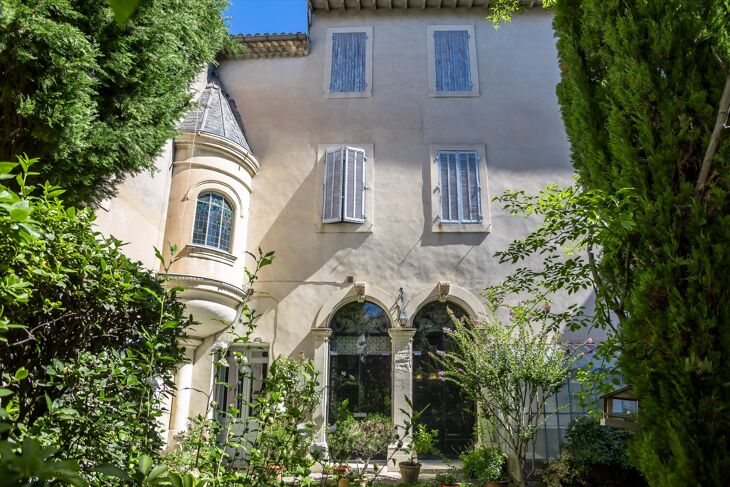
x=448, y=478
x=421, y=443
x=495, y=468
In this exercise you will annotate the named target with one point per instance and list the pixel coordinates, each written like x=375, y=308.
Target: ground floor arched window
x=449, y=411
x=360, y=360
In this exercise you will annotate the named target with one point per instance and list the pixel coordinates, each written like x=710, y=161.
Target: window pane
x=227, y=227
x=214, y=225
x=360, y=360
x=451, y=55
x=348, y=62
x=201, y=219
x=448, y=410
x=333, y=171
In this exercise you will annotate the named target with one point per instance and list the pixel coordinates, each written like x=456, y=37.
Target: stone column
x=401, y=340
x=322, y=366
x=180, y=409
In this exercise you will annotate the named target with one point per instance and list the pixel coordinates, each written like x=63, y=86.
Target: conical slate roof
x=213, y=114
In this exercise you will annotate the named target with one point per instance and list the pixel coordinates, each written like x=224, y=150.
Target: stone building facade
x=365, y=153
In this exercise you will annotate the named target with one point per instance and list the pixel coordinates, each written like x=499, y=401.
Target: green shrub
x=485, y=464
x=593, y=455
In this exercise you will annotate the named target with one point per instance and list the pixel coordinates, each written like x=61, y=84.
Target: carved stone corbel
x=444, y=288
x=360, y=291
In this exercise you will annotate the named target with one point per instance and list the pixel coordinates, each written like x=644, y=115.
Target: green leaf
x=21, y=373
x=123, y=10
x=5, y=392
x=145, y=464
x=112, y=471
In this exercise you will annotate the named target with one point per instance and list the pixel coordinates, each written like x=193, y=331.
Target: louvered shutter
x=451, y=56
x=448, y=186
x=332, y=200
x=459, y=187
x=354, y=190
x=347, y=73
x=470, y=201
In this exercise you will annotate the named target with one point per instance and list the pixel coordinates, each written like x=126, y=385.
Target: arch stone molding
x=215, y=186
x=472, y=304
x=354, y=293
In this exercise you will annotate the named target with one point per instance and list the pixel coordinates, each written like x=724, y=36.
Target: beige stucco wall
x=287, y=117
x=137, y=214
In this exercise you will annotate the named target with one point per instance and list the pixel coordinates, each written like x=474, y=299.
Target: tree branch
x=720, y=125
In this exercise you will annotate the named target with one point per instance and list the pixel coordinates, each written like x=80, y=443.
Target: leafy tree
x=89, y=338
x=93, y=99
x=641, y=83
x=644, y=94
x=510, y=369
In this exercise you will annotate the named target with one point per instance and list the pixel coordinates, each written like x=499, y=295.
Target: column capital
x=322, y=334
x=402, y=333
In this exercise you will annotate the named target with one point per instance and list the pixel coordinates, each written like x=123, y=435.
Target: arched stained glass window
x=360, y=360
x=213, y=221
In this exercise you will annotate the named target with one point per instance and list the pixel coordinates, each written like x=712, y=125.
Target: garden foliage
x=640, y=95
x=96, y=100
x=510, y=369
x=644, y=92
x=87, y=335
x=593, y=455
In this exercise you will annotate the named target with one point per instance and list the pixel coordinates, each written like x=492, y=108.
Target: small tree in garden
x=510, y=369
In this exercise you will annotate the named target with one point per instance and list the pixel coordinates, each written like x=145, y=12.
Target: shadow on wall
x=301, y=251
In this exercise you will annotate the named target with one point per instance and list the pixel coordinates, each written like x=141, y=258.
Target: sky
x=266, y=16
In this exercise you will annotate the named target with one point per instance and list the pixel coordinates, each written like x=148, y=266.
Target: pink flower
x=440, y=353
x=461, y=371
x=447, y=330
x=589, y=341
x=442, y=375
x=546, y=307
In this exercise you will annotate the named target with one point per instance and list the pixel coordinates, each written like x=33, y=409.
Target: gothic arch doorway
x=359, y=362
x=449, y=411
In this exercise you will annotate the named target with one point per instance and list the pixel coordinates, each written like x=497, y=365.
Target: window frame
x=232, y=207
x=368, y=92
x=368, y=194
x=231, y=392
x=473, y=65
x=438, y=225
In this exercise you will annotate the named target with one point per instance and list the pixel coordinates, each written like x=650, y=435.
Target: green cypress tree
x=95, y=100
x=641, y=89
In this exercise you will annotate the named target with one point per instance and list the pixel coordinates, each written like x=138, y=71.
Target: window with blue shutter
x=213, y=224
x=451, y=56
x=344, y=185
x=349, y=62
x=452, y=59
x=459, y=187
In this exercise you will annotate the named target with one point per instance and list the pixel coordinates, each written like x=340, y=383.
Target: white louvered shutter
x=451, y=56
x=348, y=62
x=332, y=200
x=354, y=190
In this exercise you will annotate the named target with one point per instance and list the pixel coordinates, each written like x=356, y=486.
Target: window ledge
x=343, y=227
x=453, y=94
x=439, y=227
x=209, y=253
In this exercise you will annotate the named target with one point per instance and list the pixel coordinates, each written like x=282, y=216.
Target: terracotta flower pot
x=341, y=470
x=409, y=472
x=441, y=484
x=497, y=483
x=275, y=470
x=343, y=482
